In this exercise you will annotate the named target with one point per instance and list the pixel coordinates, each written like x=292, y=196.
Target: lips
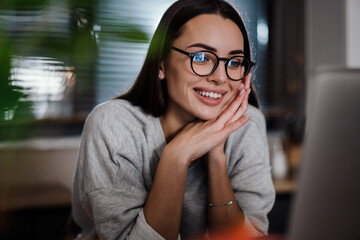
x=219, y=91
x=208, y=96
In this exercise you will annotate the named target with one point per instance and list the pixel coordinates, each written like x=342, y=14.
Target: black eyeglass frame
x=226, y=60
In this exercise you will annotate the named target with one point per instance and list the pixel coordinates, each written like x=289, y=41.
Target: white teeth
x=210, y=94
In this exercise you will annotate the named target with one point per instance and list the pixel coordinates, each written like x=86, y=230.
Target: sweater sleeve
x=250, y=172
x=109, y=189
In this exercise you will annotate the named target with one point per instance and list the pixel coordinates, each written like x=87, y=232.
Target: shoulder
x=257, y=120
x=118, y=121
x=117, y=113
x=116, y=126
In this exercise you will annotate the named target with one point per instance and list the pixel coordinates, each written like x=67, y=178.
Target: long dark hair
x=148, y=91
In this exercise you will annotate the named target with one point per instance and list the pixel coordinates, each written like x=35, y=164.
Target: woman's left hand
x=217, y=152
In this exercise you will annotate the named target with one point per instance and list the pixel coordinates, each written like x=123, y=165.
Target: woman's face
x=204, y=32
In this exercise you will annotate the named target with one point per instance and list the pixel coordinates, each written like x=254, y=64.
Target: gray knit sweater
x=120, y=149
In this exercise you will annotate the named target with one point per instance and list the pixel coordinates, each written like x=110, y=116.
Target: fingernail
x=249, y=91
x=242, y=92
x=247, y=116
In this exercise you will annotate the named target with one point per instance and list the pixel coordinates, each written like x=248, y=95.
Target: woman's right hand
x=199, y=137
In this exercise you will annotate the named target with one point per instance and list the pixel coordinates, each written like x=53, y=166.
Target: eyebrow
x=207, y=47
x=236, y=52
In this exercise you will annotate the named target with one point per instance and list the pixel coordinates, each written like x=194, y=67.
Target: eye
x=200, y=57
x=207, y=58
x=235, y=63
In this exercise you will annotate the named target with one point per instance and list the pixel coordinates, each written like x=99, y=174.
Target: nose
x=219, y=76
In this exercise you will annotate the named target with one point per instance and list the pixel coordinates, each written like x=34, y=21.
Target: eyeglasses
x=204, y=63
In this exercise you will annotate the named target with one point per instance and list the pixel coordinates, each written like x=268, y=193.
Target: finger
x=241, y=87
x=244, y=104
x=232, y=127
x=231, y=109
x=223, y=116
x=242, y=109
x=247, y=81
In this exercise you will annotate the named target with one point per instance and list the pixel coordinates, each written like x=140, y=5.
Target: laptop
x=327, y=201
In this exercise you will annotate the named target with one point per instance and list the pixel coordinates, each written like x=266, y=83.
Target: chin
x=207, y=115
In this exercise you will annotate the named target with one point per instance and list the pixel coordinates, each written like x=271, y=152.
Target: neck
x=174, y=120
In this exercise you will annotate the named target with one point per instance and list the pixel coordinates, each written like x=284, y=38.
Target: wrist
x=217, y=162
x=217, y=153
x=176, y=156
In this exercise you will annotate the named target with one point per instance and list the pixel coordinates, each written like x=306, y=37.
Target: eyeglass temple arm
x=182, y=51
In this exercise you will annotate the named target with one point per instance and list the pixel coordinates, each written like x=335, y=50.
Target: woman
x=182, y=154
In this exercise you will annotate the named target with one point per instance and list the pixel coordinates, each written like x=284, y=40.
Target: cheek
x=178, y=71
x=178, y=77
x=172, y=74
x=172, y=82
x=234, y=86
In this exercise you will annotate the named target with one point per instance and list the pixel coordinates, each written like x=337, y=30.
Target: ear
x=161, y=71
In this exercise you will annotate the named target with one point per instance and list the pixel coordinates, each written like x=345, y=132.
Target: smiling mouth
x=210, y=95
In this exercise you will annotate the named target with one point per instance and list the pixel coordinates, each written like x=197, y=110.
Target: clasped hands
x=200, y=137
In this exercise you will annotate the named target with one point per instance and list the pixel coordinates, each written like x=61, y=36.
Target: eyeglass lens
x=205, y=63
